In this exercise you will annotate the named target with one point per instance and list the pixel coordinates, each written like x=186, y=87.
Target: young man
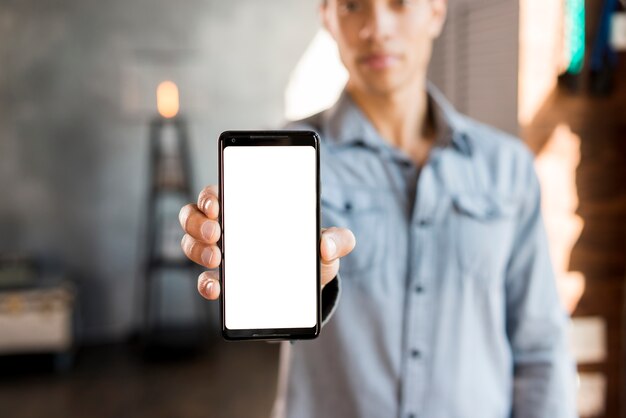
x=447, y=307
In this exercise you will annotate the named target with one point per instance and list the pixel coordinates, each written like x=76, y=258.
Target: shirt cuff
x=330, y=298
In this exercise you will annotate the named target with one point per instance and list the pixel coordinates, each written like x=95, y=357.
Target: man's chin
x=382, y=86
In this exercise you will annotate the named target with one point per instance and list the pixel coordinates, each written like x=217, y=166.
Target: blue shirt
x=447, y=306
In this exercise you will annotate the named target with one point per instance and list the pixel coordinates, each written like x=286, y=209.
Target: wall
x=475, y=61
x=77, y=81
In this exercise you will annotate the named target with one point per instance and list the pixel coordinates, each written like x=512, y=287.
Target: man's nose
x=378, y=24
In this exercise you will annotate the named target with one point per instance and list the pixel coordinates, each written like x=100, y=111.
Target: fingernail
x=207, y=206
x=331, y=245
x=208, y=228
x=208, y=288
x=207, y=256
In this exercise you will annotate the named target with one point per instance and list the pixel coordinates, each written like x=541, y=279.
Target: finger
x=209, y=285
x=196, y=224
x=328, y=271
x=336, y=243
x=206, y=255
x=208, y=201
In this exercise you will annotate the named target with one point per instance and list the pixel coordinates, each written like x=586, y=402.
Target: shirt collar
x=347, y=124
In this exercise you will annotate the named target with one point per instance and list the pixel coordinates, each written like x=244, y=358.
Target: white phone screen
x=270, y=240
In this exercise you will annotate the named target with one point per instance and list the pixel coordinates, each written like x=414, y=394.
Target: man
x=447, y=306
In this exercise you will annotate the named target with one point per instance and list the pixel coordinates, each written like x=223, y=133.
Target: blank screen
x=270, y=239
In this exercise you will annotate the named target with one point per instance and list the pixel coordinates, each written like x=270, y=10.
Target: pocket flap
x=484, y=207
x=349, y=200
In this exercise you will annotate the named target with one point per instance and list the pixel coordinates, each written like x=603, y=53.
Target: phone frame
x=268, y=138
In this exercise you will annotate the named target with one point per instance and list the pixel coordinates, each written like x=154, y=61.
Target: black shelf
x=169, y=177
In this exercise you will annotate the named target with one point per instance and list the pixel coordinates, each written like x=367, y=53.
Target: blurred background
x=109, y=115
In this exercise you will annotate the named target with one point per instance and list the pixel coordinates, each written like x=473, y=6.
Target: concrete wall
x=77, y=81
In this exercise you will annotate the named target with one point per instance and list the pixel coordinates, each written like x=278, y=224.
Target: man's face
x=384, y=44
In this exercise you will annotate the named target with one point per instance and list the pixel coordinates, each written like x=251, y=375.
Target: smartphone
x=269, y=195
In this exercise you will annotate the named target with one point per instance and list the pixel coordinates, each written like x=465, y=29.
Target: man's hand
x=202, y=231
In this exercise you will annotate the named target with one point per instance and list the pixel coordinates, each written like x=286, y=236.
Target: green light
x=575, y=34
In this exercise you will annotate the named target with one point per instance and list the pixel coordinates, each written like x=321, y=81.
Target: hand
x=202, y=231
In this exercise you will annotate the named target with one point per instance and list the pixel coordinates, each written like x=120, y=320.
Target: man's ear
x=326, y=19
x=439, y=10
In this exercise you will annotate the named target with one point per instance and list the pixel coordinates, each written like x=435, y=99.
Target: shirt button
x=415, y=353
x=411, y=415
x=419, y=289
x=424, y=223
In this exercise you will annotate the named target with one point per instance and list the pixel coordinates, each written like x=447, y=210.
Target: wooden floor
x=225, y=380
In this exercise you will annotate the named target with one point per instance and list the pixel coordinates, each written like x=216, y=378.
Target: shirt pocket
x=482, y=228
x=361, y=211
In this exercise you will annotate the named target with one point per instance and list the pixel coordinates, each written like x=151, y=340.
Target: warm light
x=556, y=167
x=540, y=54
x=551, y=41
x=167, y=99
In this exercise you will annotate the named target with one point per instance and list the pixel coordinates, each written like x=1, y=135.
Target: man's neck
x=400, y=117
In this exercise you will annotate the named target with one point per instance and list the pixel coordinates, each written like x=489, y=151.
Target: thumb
x=336, y=243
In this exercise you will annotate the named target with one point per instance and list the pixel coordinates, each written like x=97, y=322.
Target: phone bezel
x=268, y=138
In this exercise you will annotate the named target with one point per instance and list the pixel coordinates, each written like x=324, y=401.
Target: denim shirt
x=447, y=306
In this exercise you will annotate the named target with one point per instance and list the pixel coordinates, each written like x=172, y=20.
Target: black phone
x=269, y=195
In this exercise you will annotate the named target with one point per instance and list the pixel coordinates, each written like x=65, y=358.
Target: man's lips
x=379, y=61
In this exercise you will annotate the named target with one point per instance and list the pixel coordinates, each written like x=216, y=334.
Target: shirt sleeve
x=544, y=372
